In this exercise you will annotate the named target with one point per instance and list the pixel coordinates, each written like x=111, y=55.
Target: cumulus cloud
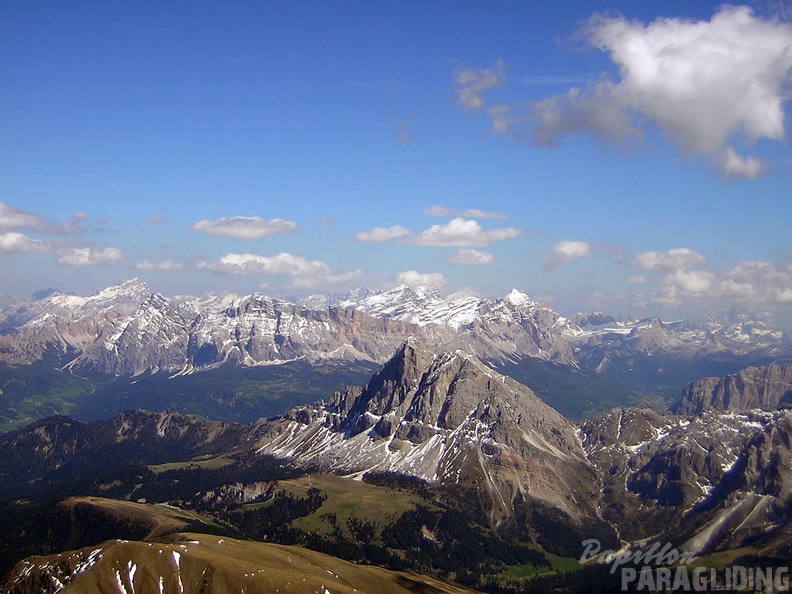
x=673, y=259
x=13, y=219
x=244, y=227
x=303, y=272
x=88, y=257
x=732, y=164
x=683, y=278
x=470, y=256
x=461, y=232
x=415, y=279
x=701, y=83
x=19, y=243
x=382, y=234
x=164, y=265
x=472, y=83
x=566, y=251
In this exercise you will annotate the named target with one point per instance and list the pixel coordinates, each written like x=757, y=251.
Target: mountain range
x=128, y=329
x=476, y=456
x=126, y=339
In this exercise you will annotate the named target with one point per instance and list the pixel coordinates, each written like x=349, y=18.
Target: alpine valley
x=393, y=441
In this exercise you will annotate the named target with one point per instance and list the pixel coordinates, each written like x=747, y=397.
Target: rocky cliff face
x=766, y=388
x=713, y=481
x=445, y=418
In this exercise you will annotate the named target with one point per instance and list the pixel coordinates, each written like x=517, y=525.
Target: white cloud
x=88, y=257
x=12, y=219
x=154, y=218
x=673, y=259
x=473, y=82
x=382, y=234
x=748, y=282
x=20, y=243
x=566, y=251
x=461, y=232
x=700, y=82
x=244, y=227
x=469, y=256
x=415, y=279
x=691, y=281
x=303, y=272
x=733, y=164
x=164, y=265
x=637, y=280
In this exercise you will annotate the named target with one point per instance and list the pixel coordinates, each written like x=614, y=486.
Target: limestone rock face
x=446, y=418
x=128, y=329
x=766, y=388
x=717, y=479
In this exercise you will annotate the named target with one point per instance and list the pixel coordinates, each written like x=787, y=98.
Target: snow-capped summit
x=128, y=329
x=519, y=299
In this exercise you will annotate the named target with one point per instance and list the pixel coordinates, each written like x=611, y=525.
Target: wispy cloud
x=378, y=234
x=404, y=131
x=475, y=213
x=471, y=256
x=244, y=227
x=734, y=165
x=154, y=218
x=472, y=83
x=438, y=210
x=14, y=219
x=162, y=265
x=543, y=81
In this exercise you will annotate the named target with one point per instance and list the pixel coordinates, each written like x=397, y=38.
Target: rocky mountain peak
x=519, y=299
x=446, y=417
x=392, y=387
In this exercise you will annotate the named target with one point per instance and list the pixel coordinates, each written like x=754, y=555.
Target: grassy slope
x=194, y=561
x=347, y=498
x=160, y=520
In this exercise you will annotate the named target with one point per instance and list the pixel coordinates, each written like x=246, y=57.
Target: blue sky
x=628, y=156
